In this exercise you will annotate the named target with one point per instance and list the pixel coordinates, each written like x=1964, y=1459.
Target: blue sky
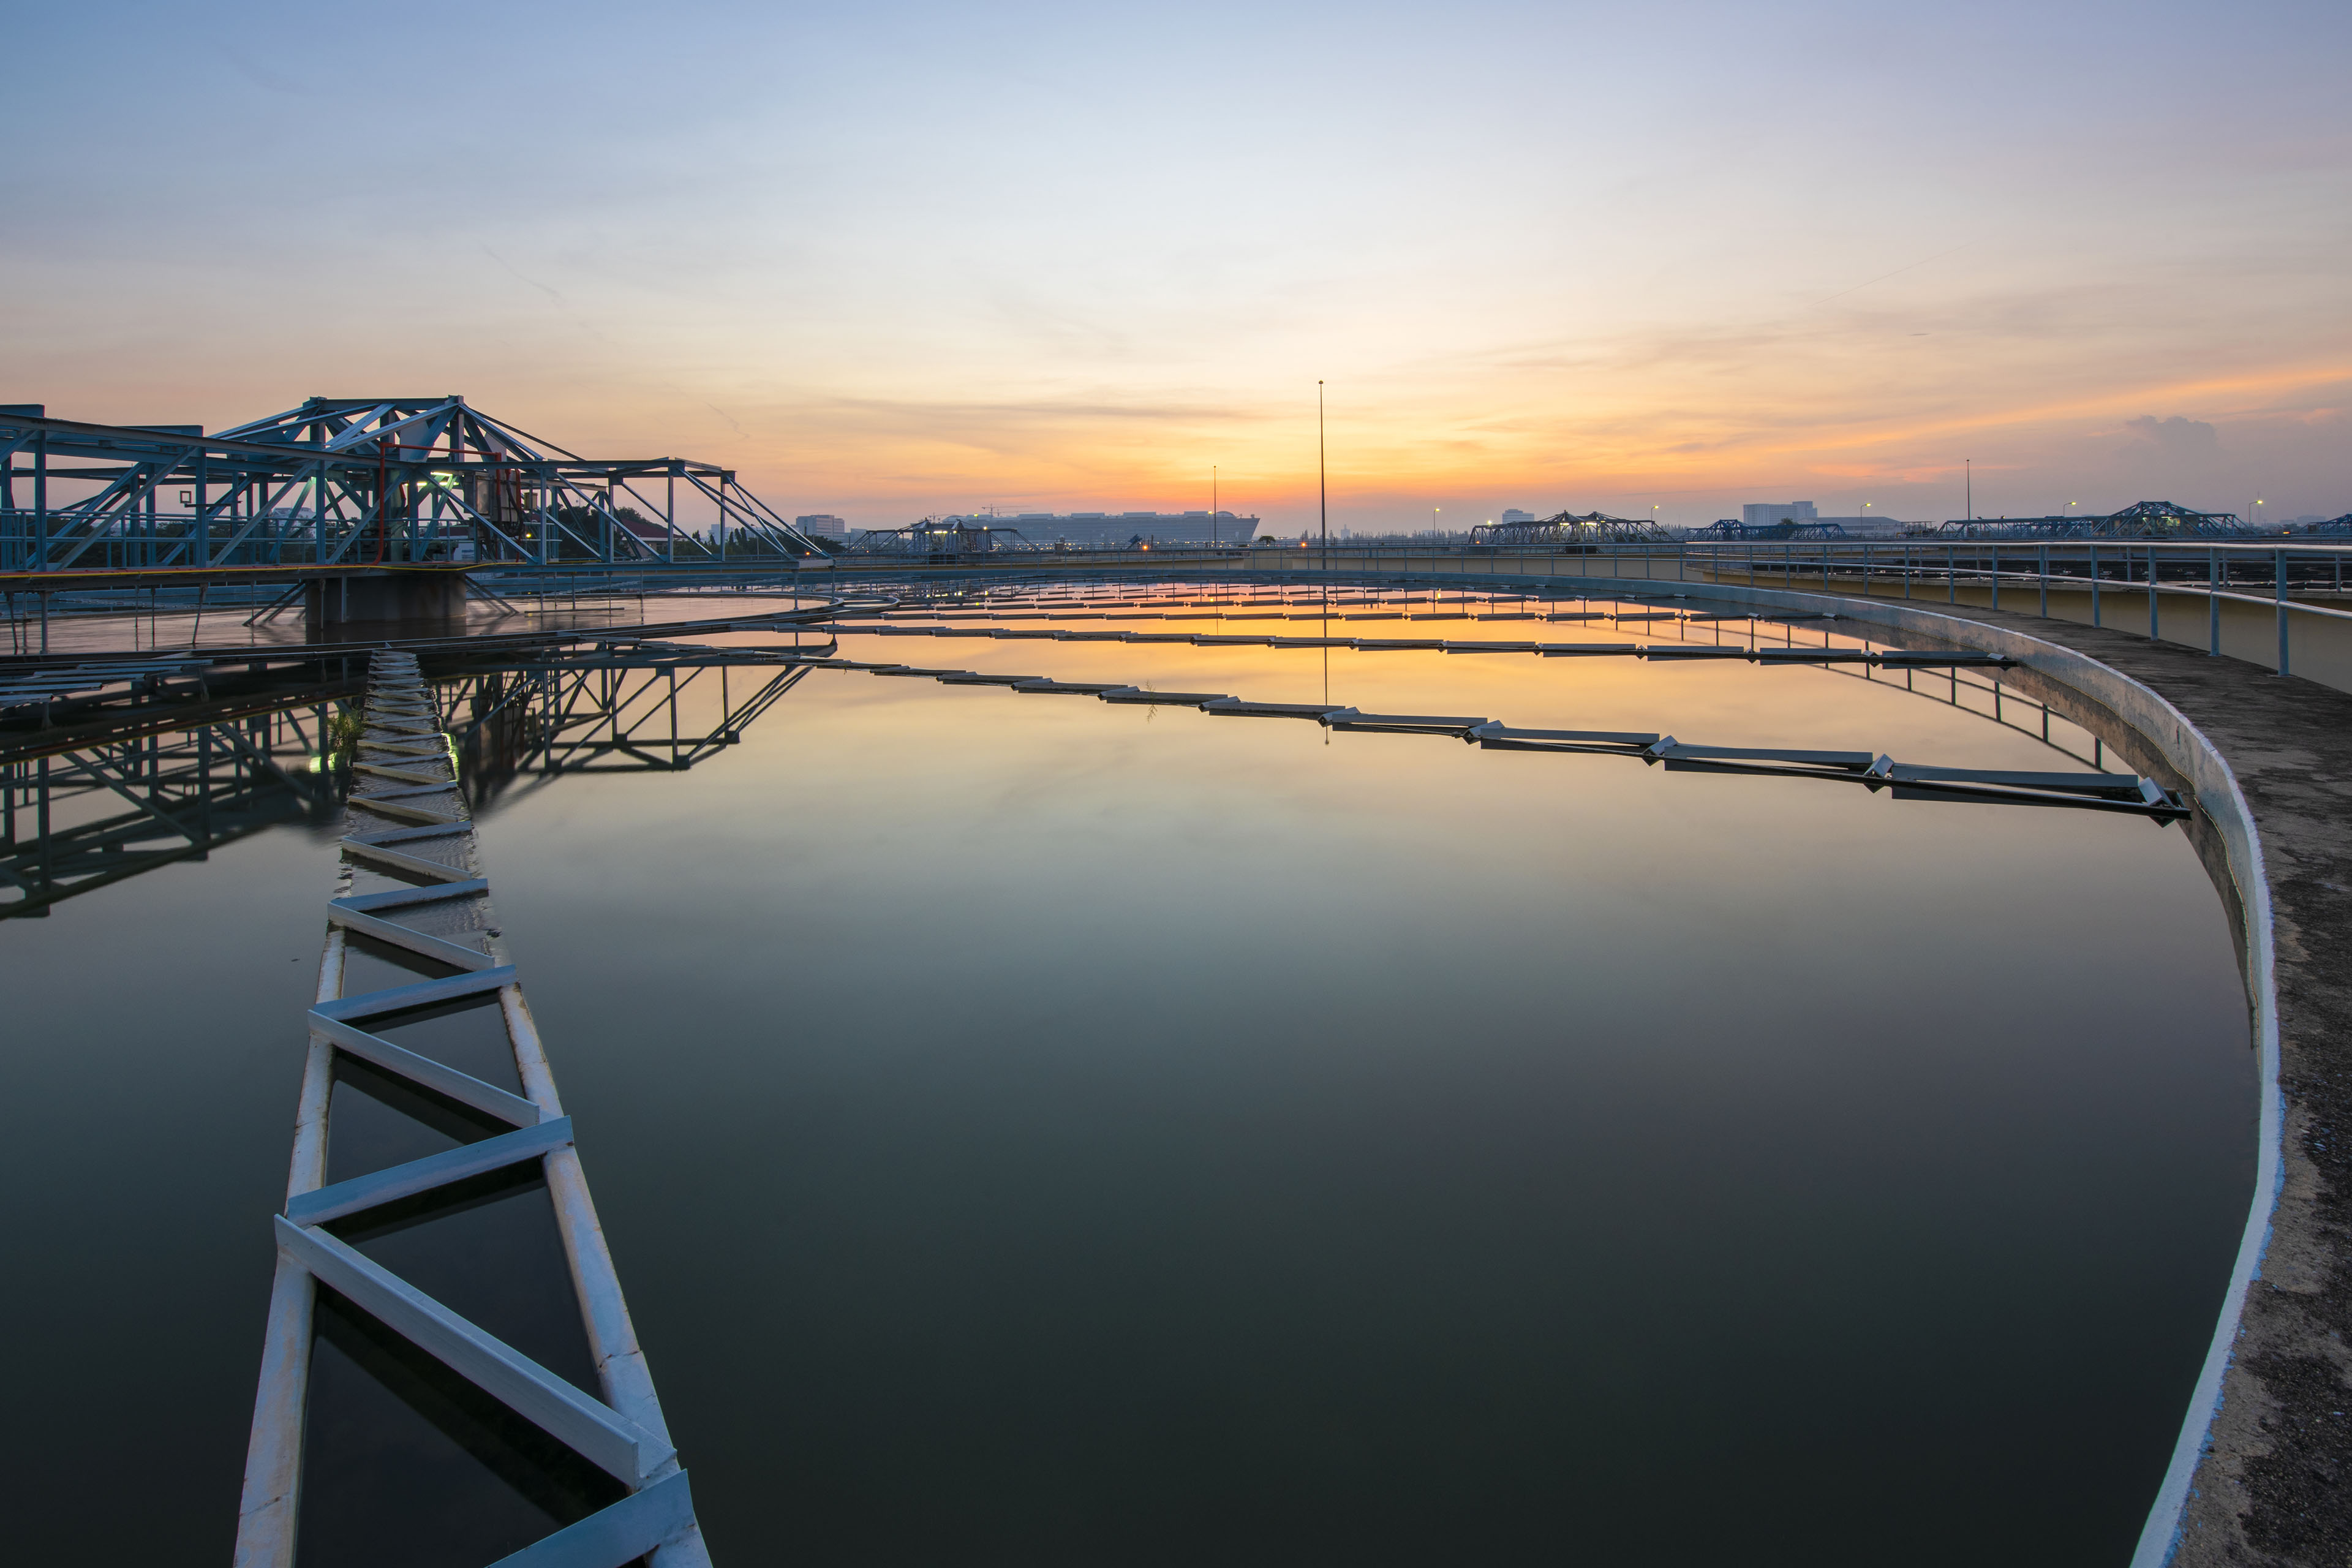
x=897, y=260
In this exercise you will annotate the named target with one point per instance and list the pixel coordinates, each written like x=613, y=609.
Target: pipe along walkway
x=439, y=911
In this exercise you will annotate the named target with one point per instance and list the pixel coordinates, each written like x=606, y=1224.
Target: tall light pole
x=1968, y=472
x=1433, y=520
x=1323, y=502
x=1213, y=506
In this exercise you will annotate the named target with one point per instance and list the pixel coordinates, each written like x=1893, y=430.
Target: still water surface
x=1034, y=1130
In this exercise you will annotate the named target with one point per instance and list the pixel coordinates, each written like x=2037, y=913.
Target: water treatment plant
x=1675, y=1049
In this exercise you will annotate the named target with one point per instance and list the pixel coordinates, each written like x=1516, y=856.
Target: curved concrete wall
x=2222, y=806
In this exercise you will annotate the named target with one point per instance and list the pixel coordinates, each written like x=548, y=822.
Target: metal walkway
x=413, y=824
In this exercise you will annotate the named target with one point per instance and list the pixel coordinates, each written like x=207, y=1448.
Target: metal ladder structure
x=407, y=816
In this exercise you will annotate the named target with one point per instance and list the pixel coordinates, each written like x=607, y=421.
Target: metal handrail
x=1976, y=560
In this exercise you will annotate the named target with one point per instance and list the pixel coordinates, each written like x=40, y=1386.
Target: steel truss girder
x=2141, y=519
x=935, y=536
x=1569, y=529
x=389, y=472
x=1730, y=529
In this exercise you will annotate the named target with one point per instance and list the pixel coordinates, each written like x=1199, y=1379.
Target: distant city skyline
x=917, y=259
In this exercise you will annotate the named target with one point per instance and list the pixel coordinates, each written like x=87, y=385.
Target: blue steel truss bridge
x=353, y=483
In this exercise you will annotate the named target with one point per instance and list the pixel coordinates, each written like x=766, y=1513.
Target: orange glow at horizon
x=1679, y=302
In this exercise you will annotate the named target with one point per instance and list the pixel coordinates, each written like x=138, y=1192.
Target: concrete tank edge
x=2223, y=804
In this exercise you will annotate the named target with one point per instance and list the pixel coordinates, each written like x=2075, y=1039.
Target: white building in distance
x=1766, y=513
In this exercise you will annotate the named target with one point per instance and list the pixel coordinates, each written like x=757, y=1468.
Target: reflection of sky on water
x=1147, y=1134
x=1030, y=1127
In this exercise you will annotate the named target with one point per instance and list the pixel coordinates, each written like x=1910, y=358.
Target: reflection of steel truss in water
x=74, y=821
x=615, y=713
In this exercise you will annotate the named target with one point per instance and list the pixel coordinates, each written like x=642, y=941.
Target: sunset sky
x=892, y=260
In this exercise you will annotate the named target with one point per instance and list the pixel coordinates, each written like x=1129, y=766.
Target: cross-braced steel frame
x=79, y=815
x=1569, y=529
x=353, y=482
x=2141, y=519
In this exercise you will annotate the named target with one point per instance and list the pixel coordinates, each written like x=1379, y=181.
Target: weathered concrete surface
x=2275, y=1485
x=415, y=600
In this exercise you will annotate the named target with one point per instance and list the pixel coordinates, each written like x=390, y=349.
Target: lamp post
x=1322, y=485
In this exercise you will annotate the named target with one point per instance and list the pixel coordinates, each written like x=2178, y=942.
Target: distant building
x=1113, y=531
x=822, y=523
x=1765, y=513
x=1513, y=514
